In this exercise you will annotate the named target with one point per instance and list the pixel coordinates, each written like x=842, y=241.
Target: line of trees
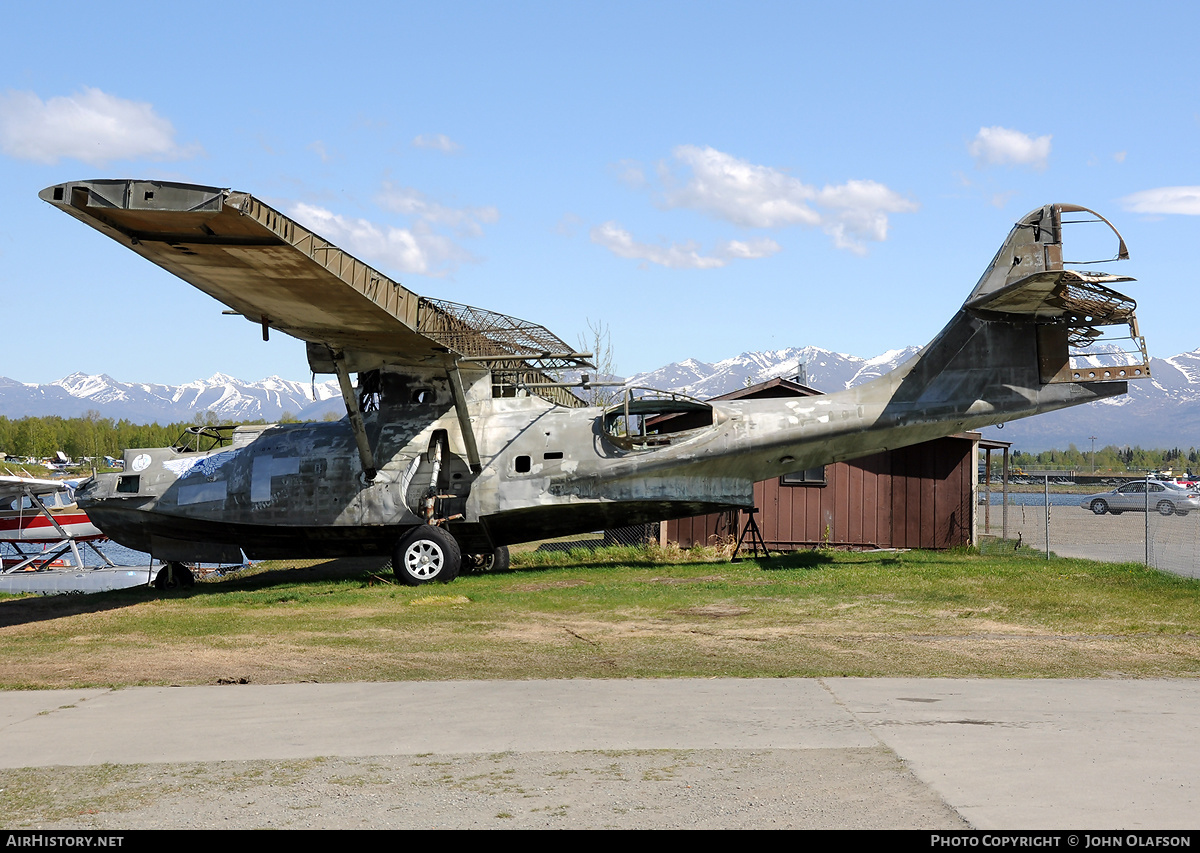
x=1111, y=459
x=89, y=436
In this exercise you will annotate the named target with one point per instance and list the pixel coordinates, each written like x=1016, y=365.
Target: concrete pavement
x=1001, y=753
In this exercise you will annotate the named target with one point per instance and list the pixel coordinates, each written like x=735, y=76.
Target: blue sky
x=706, y=179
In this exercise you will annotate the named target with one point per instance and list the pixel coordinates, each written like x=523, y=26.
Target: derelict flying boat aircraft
x=459, y=443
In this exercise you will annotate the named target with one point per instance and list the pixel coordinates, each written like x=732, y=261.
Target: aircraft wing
x=275, y=272
x=12, y=486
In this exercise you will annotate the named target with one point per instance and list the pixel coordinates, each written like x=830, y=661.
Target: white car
x=1164, y=497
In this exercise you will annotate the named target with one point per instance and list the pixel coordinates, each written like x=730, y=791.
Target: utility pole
x=1093, y=438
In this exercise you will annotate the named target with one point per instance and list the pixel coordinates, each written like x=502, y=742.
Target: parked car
x=1165, y=498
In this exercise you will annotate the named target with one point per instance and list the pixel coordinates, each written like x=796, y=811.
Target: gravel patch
x=862, y=788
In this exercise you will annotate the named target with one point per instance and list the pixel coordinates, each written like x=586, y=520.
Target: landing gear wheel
x=1166, y=508
x=174, y=576
x=1099, y=507
x=493, y=561
x=426, y=554
x=497, y=561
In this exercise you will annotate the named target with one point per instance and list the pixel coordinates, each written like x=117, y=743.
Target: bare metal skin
x=465, y=445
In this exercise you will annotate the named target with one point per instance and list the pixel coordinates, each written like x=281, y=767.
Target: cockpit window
x=200, y=439
x=645, y=419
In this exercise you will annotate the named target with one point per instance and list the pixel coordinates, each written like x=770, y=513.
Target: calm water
x=119, y=554
x=1037, y=498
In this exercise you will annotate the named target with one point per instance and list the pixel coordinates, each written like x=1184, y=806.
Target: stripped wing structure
x=275, y=272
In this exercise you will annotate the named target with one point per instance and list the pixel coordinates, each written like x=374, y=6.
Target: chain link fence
x=1060, y=523
x=636, y=536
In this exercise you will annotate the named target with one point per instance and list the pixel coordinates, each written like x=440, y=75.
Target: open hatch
x=646, y=418
x=199, y=439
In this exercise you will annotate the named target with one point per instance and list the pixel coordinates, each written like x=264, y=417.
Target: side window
x=807, y=477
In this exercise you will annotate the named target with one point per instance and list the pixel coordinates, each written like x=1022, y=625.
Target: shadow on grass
x=796, y=560
x=42, y=608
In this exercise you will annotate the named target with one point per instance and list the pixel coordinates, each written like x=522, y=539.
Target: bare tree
x=598, y=341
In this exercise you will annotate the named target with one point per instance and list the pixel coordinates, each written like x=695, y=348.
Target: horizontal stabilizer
x=1059, y=296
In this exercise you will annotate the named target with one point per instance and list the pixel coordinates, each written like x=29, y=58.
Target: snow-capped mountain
x=1162, y=412
x=826, y=371
x=228, y=398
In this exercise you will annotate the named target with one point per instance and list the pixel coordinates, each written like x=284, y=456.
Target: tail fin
x=1032, y=337
x=1071, y=310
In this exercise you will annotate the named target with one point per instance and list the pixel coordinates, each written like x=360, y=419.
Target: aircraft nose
x=88, y=490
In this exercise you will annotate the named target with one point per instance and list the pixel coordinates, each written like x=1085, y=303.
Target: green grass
x=623, y=613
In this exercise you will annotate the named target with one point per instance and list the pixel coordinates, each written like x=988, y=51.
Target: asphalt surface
x=938, y=753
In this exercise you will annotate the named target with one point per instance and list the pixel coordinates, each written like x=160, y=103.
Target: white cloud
x=686, y=255
x=999, y=200
x=91, y=126
x=1001, y=146
x=1119, y=156
x=740, y=192
x=763, y=247
x=412, y=202
x=630, y=173
x=568, y=224
x=754, y=196
x=438, y=142
x=858, y=211
x=1184, y=200
x=406, y=250
x=321, y=151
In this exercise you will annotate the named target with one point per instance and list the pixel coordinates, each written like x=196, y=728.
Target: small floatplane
x=42, y=526
x=37, y=512
x=458, y=439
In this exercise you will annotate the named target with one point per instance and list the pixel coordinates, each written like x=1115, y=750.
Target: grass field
x=622, y=613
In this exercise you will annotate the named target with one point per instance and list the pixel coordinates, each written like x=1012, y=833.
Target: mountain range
x=229, y=399
x=1162, y=412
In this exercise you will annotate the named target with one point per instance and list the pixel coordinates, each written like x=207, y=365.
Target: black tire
x=493, y=561
x=1099, y=507
x=1166, y=508
x=426, y=554
x=497, y=561
x=174, y=576
x=1182, y=512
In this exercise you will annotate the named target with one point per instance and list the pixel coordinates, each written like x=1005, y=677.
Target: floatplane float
x=42, y=527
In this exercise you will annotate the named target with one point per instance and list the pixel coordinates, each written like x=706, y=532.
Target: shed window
x=807, y=477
